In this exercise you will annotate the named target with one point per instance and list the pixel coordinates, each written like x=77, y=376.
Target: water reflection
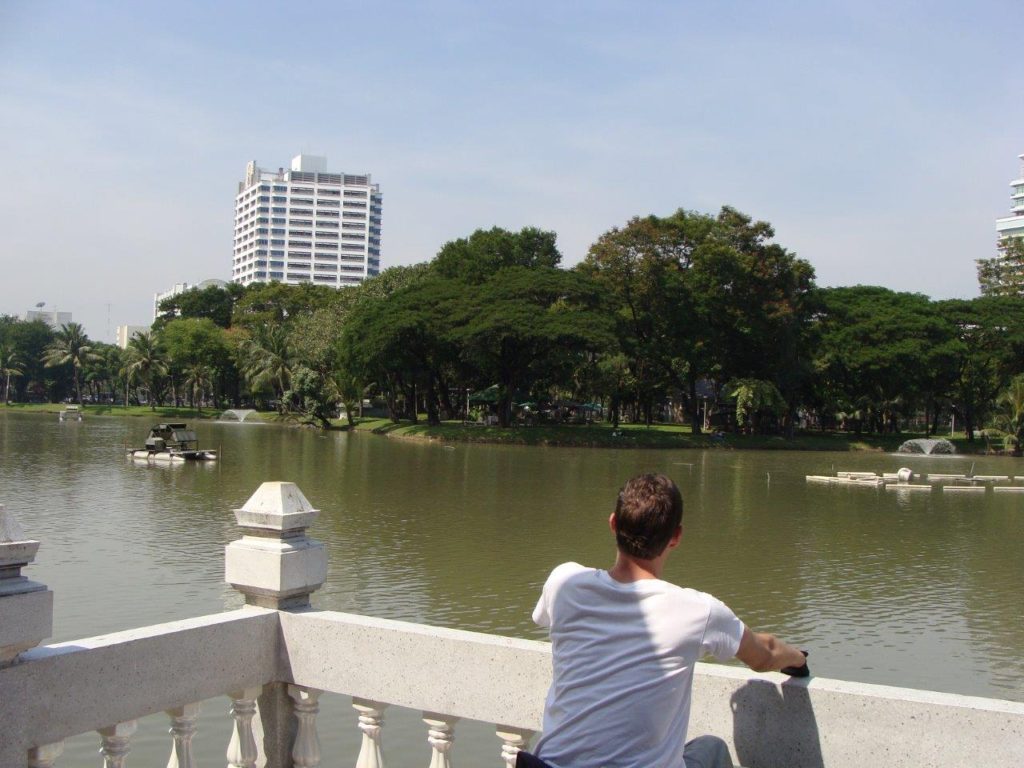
x=917, y=589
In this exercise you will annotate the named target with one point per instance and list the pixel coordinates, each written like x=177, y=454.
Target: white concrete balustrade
x=275, y=659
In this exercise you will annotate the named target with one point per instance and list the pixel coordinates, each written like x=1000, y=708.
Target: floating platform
x=990, y=478
x=870, y=482
x=1009, y=489
x=857, y=475
x=964, y=488
x=907, y=487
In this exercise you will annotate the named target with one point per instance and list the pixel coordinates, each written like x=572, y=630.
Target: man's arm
x=763, y=652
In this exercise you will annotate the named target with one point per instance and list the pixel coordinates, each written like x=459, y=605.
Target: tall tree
x=198, y=380
x=701, y=296
x=476, y=258
x=101, y=373
x=316, y=381
x=71, y=346
x=267, y=358
x=881, y=354
x=403, y=344
x=527, y=324
x=277, y=303
x=990, y=331
x=146, y=361
x=1003, y=274
x=191, y=341
x=10, y=365
x=1010, y=416
x=213, y=302
x=30, y=340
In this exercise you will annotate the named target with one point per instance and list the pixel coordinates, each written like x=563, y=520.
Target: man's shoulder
x=690, y=594
x=560, y=573
x=568, y=575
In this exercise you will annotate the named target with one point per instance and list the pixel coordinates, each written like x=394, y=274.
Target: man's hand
x=803, y=670
x=763, y=652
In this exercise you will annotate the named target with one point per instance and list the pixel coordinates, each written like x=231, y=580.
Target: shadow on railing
x=276, y=657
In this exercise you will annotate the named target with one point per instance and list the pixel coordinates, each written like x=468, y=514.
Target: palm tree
x=101, y=374
x=198, y=378
x=146, y=360
x=10, y=365
x=267, y=358
x=1011, y=416
x=70, y=345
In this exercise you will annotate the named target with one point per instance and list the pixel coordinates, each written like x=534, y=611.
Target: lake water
x=920, y=590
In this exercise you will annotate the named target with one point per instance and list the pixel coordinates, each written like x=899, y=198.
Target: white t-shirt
x=623, y=666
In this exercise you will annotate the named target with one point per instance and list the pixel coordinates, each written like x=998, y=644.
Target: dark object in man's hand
x=802, y=671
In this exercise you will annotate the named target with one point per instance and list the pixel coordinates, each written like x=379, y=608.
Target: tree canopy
x=666, y=317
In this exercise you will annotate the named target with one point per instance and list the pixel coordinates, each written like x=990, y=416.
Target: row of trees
x=667, y=316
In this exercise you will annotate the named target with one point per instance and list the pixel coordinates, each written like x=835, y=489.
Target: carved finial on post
x=26, y=607
x=274, y=564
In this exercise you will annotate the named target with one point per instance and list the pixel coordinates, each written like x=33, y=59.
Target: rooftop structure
x=306, y=225
x=53, y=318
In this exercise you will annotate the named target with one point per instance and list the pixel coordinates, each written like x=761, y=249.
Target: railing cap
x=277, y=506
x=16, y=548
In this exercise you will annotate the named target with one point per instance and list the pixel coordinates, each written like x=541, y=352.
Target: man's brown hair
x=647, y=513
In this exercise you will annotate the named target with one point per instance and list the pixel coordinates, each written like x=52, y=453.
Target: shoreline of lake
x=599, y=435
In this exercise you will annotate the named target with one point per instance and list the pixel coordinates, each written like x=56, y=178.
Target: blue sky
x=878, y=138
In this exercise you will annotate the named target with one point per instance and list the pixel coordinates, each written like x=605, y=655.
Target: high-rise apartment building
x=1013, y=226
x=306, y=225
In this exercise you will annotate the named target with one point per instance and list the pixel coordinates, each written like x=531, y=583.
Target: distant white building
x=125, y=332
x=1013, y=226
x=181, y=288
x=306, y=225
x=53, y=319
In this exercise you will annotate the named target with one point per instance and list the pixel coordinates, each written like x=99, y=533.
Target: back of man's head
x=648, y=512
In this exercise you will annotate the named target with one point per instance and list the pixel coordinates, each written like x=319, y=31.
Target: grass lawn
x=639, y=436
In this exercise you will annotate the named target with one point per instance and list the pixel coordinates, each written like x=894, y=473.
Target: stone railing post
x=275, y=565
x=26, y=607
x=512, y=740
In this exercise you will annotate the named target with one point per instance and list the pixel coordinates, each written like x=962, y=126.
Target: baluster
x=183, y=728
x=117, y=743
x=371, y=720
x=46, y=755
x=440, y=735
x=306, y=752
x=512, y=740
x=242, y=752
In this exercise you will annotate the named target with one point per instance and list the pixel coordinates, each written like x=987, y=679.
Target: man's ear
x=676, y=537
x=612, y=522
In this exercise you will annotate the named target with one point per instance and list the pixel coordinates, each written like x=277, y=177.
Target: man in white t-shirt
x=625, y=643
